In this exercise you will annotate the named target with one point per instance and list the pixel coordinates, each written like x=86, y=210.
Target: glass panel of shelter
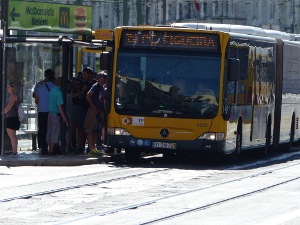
x=26, y=64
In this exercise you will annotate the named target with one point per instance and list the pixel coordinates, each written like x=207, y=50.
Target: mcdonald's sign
x=64, y=17
x=50, y=17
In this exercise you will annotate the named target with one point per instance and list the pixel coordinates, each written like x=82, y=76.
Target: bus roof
x=241, y=29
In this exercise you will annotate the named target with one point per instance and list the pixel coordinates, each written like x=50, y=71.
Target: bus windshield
x=167, y=84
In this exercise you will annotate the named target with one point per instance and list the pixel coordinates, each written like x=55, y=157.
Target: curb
x=56, y=161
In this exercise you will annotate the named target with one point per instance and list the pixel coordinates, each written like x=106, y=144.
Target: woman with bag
x=11, y=117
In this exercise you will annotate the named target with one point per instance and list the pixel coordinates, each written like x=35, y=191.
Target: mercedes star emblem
x=164, y=132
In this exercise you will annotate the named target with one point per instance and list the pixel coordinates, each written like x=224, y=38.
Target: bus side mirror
x=105, y=61
x=233, y=70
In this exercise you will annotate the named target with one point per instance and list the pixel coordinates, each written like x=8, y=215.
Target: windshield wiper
x=167, y=111
x=163, y=111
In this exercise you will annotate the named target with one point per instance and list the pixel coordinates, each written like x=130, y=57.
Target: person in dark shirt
x=95, y=116
x=88, y=82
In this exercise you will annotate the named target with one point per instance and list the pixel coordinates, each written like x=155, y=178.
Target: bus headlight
x=117, y=131
x=212, y=136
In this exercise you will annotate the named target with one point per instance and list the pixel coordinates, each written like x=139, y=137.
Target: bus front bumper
x=160, y=145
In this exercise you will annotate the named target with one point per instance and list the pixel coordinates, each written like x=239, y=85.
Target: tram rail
x=197, y=190
x=66, y=188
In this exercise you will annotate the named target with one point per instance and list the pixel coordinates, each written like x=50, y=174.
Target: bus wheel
x=132, y=155
x=233, y=157
x=292, y=135
x=265, y=150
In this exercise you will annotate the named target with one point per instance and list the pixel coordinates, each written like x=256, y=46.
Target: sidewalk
x=33, y=158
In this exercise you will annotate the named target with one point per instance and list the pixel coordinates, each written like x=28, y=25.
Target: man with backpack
x=41, y=99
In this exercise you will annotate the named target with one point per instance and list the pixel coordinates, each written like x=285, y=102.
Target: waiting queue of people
x=87, y=116
x=84, y=114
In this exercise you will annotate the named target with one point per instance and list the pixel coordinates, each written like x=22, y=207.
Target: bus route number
x=138, y=121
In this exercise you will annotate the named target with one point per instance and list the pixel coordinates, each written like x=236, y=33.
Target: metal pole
x=125, y=13
x=77, y=55
x=164, y=6
x=65, y=75
x=139, y=12
x=3, y=84
x=4, y=9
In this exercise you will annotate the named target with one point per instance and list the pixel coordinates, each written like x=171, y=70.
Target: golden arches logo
x=64, y=19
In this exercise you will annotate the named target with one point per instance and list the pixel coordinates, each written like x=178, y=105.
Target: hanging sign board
x=48, y=17
x=103, y=34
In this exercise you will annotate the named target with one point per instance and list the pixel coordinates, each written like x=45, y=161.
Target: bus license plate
x=163, y=145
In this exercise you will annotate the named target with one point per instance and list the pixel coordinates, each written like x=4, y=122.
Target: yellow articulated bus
x=185, y=90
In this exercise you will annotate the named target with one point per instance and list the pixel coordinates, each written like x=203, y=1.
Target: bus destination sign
x=156, y=39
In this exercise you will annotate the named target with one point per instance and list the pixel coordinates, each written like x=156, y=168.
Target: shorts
x=13, y=123
x=53, y=129
x=90, y=120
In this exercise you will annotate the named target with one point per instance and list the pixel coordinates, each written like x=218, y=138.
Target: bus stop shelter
x=24, y=57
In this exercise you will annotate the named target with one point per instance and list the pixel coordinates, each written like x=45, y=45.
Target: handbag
x=21, y=114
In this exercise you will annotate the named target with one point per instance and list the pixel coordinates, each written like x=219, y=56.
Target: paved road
x=155, y=191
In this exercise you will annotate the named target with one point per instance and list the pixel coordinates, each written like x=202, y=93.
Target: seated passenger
x=203, y=95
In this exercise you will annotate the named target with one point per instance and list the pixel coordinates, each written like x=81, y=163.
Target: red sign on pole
x=197, y=6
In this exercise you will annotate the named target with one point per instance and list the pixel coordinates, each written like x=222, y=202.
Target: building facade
x=280, y=15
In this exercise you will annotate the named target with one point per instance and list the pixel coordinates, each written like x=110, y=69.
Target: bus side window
x=233, y=69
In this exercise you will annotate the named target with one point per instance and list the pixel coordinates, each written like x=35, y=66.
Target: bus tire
x=265, y=150
x=132, y=155
x=287, y=147
x=234, y=156
x=292, y=136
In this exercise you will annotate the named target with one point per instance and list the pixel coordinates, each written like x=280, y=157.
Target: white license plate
x=164, y=145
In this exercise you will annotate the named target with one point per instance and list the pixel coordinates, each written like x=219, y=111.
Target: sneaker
x=94, y=152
